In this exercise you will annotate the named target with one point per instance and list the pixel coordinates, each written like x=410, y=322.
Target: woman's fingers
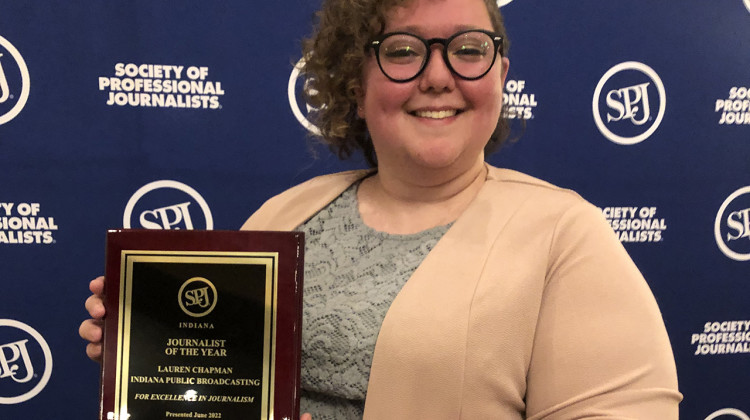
x=97, y=286
x=95, y=307
x=91, y=330
x=94, y=352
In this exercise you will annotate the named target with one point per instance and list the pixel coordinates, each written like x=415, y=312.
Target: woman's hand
x=306, y=416
x=91, y=329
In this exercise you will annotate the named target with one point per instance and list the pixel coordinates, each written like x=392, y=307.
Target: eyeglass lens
x=402, y=56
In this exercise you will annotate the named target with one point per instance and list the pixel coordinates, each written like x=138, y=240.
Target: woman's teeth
x=436, y=114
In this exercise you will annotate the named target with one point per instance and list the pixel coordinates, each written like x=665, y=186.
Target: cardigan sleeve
x=600, y=347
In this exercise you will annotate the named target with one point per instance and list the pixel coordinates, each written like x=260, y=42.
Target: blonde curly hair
x=334, y=58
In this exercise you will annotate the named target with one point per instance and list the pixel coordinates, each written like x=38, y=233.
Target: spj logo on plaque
x=14, y=81
x=629, y=103
x=25, y=362
x=197, y=297
x=167, y=205
x=732, y=225
x=295, y=89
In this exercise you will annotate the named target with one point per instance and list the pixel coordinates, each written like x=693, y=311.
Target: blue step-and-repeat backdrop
x=188, y=114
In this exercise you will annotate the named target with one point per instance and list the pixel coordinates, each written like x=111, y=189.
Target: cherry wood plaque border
x=288, y=321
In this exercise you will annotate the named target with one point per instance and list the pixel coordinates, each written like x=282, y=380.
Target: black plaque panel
x=202, y=324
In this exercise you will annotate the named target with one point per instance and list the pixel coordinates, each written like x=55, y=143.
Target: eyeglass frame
x=496, y=40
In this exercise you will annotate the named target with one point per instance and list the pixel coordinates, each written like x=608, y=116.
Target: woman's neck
x=397, y=204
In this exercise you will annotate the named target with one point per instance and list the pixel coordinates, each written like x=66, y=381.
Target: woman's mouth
x=436, y=115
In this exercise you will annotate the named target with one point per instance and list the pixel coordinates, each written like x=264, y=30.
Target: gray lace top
x=352, y=274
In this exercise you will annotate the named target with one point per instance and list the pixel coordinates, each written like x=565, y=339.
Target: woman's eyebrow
x=419, y=30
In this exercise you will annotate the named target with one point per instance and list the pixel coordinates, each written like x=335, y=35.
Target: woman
x=520, y=301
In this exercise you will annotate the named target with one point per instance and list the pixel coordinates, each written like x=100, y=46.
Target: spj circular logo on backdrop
x=732, y=225
x=629, y=103
x=167, y=205
x=14, y=81
x=295, y=89
x=25, y=362
x=501, y=3
x=728, y=414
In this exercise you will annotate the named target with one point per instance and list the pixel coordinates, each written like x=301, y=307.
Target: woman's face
x=438, y=120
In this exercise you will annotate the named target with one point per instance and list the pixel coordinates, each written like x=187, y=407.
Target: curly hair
x=334, y=58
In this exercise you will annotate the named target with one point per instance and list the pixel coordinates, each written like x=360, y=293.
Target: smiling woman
x=437, y=286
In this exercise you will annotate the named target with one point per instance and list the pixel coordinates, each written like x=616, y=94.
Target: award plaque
x=202, y=325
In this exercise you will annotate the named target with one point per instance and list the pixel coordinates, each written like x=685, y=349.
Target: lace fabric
x=352, y=274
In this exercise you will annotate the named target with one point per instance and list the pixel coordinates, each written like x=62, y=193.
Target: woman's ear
x=506, y=65
x=360, y=95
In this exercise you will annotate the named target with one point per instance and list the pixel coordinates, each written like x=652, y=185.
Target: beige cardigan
x=528, y=307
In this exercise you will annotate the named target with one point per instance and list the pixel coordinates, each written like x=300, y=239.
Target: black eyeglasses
x=470, y=54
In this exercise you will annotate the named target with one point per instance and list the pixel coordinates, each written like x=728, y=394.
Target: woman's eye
x=470, y=51
x=401, y=52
